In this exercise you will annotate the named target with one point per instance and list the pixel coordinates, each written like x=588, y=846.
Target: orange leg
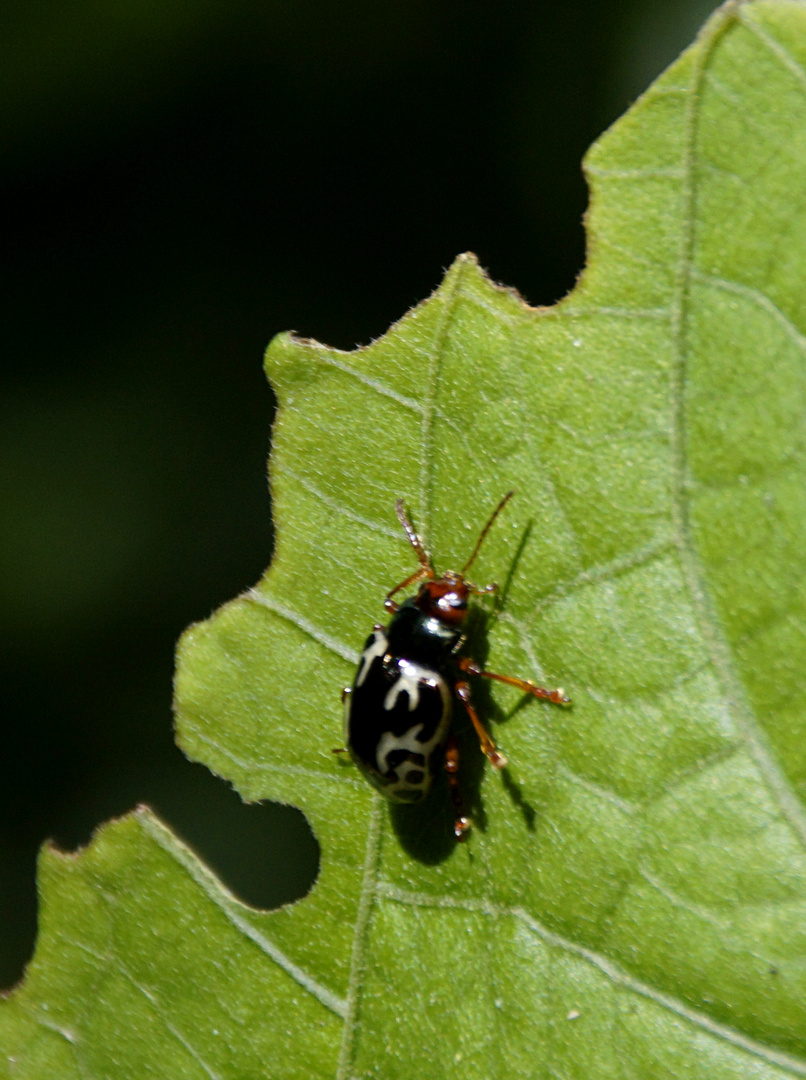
x=483, y=590
x=462, y=822
x=472, y=668
x=418, y=575
x=488, y=747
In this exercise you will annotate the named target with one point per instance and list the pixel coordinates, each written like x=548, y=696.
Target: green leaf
x=632, y=902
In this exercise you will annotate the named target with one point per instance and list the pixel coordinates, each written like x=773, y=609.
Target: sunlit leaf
x=632, y=901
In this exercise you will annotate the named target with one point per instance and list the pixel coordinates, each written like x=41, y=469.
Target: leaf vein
x=491, y=309
x=718, y=649
x=260, y=767
x=367, y=380
x=309, y=628
x=761, y=130
x=612, y=971
x=625, y=805
x=757, y=297
x=775, y=47
x=360, y=937
x=230, y=907
x=430, y=403
x=338, y=507
x=169, y=1027
x=677, y=901
x=596, y=575
x=572, y=311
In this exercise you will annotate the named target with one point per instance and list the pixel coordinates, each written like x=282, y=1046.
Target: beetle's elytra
x=397, y=715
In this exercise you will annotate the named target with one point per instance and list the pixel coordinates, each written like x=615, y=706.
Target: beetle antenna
x=413, y=538
x=486, y=529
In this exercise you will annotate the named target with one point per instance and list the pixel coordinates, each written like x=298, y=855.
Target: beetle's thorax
x=418, y=632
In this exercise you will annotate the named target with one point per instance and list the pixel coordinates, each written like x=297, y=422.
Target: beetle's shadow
x=503, y=590
x=426, y=830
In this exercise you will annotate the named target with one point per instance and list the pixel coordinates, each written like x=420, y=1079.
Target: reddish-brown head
x=445, y=599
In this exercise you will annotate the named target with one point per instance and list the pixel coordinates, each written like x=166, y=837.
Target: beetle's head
x=446, y=598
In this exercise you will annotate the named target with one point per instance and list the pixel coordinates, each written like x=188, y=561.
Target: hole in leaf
x=264, y=853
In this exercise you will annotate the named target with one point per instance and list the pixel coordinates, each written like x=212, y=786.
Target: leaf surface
x=632, y=902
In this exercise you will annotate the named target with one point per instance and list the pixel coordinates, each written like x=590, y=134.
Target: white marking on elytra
x=377, y=647
x=411, y=675
x=388, y=743
x=409, y=740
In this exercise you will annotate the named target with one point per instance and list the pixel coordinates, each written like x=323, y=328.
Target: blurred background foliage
x=180, y=180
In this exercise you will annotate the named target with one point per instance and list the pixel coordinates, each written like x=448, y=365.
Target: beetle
x=398, y=712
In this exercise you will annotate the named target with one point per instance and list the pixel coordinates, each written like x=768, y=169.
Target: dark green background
x=180, y=182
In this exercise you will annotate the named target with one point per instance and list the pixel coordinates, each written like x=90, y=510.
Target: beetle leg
x=484, y=590
x=488, y=747
x=461, y=825
x=418, y=575
x=557, y=696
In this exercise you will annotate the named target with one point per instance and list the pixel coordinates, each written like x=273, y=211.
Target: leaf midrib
x=719, y=651
x=695, y=576
x=372, y=853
